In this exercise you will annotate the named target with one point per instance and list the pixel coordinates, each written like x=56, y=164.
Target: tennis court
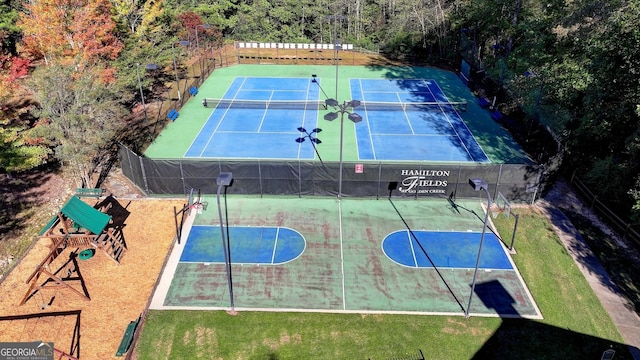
x=353, y=255
x=258, y=117
x=426, y=126
x=409, y=114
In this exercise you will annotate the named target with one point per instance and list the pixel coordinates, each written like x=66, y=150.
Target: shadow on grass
x=622, y=267
x=527, y=339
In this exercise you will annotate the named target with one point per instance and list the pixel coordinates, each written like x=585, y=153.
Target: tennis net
x=320, y=105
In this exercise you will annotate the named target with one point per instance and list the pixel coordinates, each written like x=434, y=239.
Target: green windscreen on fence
x=517, y=182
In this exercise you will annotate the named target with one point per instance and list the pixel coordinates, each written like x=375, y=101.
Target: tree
x=82, y=116
x=9, y=31
x=74, y=32
x=18, y=151
x=93, y=34
x=129, y=13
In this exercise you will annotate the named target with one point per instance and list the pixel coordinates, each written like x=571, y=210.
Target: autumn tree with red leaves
x=190, y=21
x=71, y=32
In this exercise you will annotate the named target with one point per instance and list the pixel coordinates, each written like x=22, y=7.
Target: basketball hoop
x=198, y=207
x=496, y=210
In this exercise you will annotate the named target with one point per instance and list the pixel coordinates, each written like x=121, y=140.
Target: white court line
x=169, y=268
x=275, y=245
x=413, y=250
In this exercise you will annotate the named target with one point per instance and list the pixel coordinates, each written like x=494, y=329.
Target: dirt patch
x=118, y=292
x=119, y=186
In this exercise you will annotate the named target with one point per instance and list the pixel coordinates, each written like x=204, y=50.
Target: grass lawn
x=575, y=325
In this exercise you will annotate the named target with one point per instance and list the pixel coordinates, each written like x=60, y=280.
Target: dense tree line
x=571, y=65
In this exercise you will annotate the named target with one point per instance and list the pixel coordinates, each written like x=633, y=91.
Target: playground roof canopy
x=85, y=215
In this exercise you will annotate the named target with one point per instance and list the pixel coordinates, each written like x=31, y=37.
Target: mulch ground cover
x=118, y=292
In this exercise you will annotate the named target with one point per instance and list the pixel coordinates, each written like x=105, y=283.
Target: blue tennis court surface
x=429, y=132
x=248, y=245
x=445, y=250
x=433, y=132
x=259, y=133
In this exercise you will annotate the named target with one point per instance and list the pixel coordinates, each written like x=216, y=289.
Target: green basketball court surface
x=343, y=265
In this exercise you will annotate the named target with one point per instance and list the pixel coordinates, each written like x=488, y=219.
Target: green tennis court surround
x=414, y=120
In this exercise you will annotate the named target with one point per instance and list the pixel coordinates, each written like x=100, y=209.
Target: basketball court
x=349, y=256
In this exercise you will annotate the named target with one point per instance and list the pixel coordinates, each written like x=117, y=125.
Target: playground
x=86, y=312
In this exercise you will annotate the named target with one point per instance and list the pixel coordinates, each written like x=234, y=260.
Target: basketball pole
x=224, y=180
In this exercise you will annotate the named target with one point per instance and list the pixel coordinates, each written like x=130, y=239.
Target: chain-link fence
x=519, y=183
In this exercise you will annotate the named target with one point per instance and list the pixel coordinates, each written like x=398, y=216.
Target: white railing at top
x=306, y=46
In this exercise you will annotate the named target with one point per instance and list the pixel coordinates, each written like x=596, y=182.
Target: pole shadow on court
x=393, y=186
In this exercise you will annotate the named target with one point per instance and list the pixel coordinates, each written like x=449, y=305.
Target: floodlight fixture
x=224, y=179
x=355, y=118
x=353, y=103
x=478, y=184
x=331, y=116
x=332, y=102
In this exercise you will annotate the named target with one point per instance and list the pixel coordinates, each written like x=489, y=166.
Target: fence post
x=184, y=184
x=144, y=174
x=497, y=183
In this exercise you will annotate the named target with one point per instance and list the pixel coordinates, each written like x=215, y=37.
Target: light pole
x=337, y=47
x=314, y=140
x=224, y=180
x=478, y=184
x=204, y=26
x=336, y=44
x=355, y=118
x=144, y=106
x=175, y=66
